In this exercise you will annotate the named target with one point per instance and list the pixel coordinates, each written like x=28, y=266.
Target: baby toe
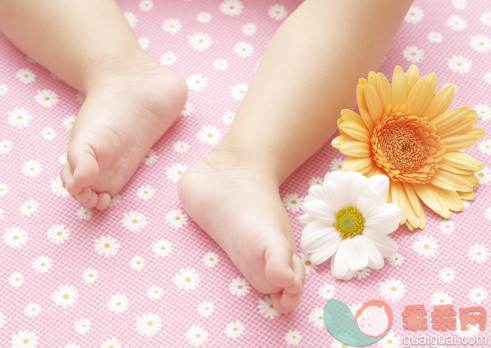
x=68, y=180
x=104, y=200
x=91, y=203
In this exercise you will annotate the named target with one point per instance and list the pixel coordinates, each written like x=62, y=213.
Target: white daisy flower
x=210, y=259
x=205, y=309
x=231, y=7
x=277, y=12
x=115, y=200
x=200, y=41
x=197, y=82
x=46, y=98
x=146, y=5
x=28, y=207
x=84, y=213
x=266, y=308
x=118, y=303
x=145, y=192
x=106, y=245
x=162, y=248
x=2, y=320
x=396, y=259
x=239, y=287
x=480, y=43
x=435, y=37
x=459, y=64
x=5, y=146
x=134, y=221
x=174, y=172
x=308, y=266
x=390, y=341
x=485, y=147
x=228, y=117
x=292, y=202
x=25, y=76
x=238, y=91
x=3, y=89
x=203, y=17
x=62, y=159
x=180, y=147
x=425, y=245
x=484, y=176
x=186, y=279
x=168, y=59
x=327, y=291
x=83, y=326
x=19, y=118
x=137, y=263
x=90, y=275
x=188, y=109
x=65, y=296
x=42, y=264
x=440, y=298
x=148, y=324
x=150, y=157
x=249, y=29
x=32, y=169
x=243, y=49
x=234, y=329
x=4, y=188
x=80, y=97
x=58, y=188
x=111, y=343
x=485, y=18
x=196, y=335
x=336, y=164
x=316, y=181
x=155, y=292
x=459, y=4
x=478, y=294
x=392, y=289
x=414, y=15
x=172, y=26
x=210, y=135
x=362, y=273
x=446, y=227
x=471, y=330
x=132, y=20
x=176, y=218
x=15, y=237
x=16, y=279
x=48, y=133
x=447, y=275
x=220, y=64
x=293, y=337
x=483, y=112
x=478, y=253
x=24, y=339
x=316, y=317
x=487, y=213
x=144, y=42
x=32, y=310
x=456, y=23
x=68, y=122
x=413, y=54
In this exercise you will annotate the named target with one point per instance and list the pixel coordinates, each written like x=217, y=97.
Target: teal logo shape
x=370, y=324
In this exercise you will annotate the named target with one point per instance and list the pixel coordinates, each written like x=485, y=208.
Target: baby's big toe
x=83, y=164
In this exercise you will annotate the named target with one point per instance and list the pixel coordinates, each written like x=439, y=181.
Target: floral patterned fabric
x=74, y=277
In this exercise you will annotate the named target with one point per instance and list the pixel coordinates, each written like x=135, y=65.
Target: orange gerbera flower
x=406, y=133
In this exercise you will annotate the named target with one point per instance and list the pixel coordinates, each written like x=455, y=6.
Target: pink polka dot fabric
x=75, y=277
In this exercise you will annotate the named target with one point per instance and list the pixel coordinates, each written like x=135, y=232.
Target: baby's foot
x=239, y=206
x=134, y=101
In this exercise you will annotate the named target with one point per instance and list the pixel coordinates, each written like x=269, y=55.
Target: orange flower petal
x=432, y=199
x=399, y=87
x=459, y=142
x=413, y=199
x=440, y=103
x=360, y=165
x=452, y=181
x=412, y=76
x=461, y=127
x=462, y=161
x=373, y=103
x=399, y=198
x=355, y=130
x=384, y=90
x=421, y=95
x=468, y=196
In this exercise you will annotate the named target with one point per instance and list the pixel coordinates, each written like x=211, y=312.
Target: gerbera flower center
x=349, y=222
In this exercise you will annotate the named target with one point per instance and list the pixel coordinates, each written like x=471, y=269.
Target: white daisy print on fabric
x=459, y=64
x=239, y=287
x=266, y=308
x=234, y=329
x=187, y=110
x=392, y=289
x=137, y=263
x=146, y=5
x=446, y=227
x=396, y=259
x=58, y=234
x=390, y=341
x=174, y=172
x=197, y=82
x=68, y=122
x=145, y=192
x=28, y=207
x=106, y=246
x=82, y=326
x=413, y=54
x=228, y=117
x=168, y=59
x=32, y=310
x=19, y=118
x=447, y=275
x=148, y=324
x=62, y=159
x=435, y=37
x=243, y=49
x=180, y=147
x=425, y=245
x=200, y=41
x=111, y=343
x=42, y=264
x=238, y=91
x=15, y=237
x=355, y=308
x=186, y=279
x=205, y=309
x=196, y=335
x=65, y=296
x=32, y=169
x=316, y=317
x=210, y=135
x=144, y=42
x=176, y=218
x=231, y=7
x=336, y=164
x=478, y=294
x=84, y=213
x=24, y=339
x=484, y=176
x=25, y=76
x=440, y=298
x=3, y=89
x=292, y=202
x=162, y=248
x=203, y=17
x=16, y=279
x=414, y=15
x=459, y=4
x=316, y=181
x=134, y=221
x=478, y=253
x=58, y=188
x=293, y=337
x=115, y=200
x=90, y=275
x=362, y=273
x=210, y=259
x=485, y=147
x=485, y=18
x=327, y=291
x=48, y=133
x=480, y=43
x=309, y=267
x=277, y=12
x=80, y=97
x=220, y=64
x=155, y=292
x=118, y=303
x=46, y=98
x=4, y=188
x=150, y=157
x=249, y=29
x=456, y=23
x=483, y=112
x=132, y=20
x=5, y=146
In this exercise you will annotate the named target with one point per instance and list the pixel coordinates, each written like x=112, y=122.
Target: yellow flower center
x=349, y=222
